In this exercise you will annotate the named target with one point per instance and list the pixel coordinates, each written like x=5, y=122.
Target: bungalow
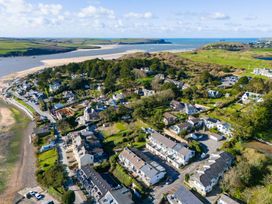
x=183, y=196
x=181, y=128
x=174, y=152
x=224, y=199
x=208, y=174
x=169, y=119
x=224, y=128
x=89, y=115
x=211, y=123
x=100, y=189
x=249, y=97
x=190, y=109
x=150, y=172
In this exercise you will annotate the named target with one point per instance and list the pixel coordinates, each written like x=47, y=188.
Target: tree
x=68, y=197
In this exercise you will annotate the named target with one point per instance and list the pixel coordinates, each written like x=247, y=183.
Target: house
x=214, y=94
x=54, y=87
x=118, y=97
x=169, y=119
x=150, y=172
x=196, y=136
x=190, y=109
x=224, y=199
x=178, y=84
x=100, y=189
x=229, y=81
x=42, y=131
x=209, y=173
x=181, y=128
x=86, y=147
x=251, y=97
x=160, y=76
x=263, y=72
x=183, y=196
x=147, y=92
x=89, y=115
x=197, y=123
x=176, y=105
x=176, y=153
x=222, y=127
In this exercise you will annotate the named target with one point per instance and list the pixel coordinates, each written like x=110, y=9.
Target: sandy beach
x=6, y=80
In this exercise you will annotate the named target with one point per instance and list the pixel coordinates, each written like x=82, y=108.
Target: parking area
x=209, y=145
x=28, y=196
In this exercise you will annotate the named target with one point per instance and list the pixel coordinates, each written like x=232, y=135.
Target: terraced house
x=177, y=154
x=150, y=172
x=208, y=174
x=101, y=190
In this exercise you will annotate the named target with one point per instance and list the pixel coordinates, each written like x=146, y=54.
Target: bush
x=68, y=197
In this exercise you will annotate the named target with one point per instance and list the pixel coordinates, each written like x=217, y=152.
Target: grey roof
x=186, y=197
x=163, y=140
x=149, y=171
x=216, y=168
x=182, y=149
x=96, y=179
x=122, y=196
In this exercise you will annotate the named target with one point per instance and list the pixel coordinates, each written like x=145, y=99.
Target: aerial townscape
x=134, y=119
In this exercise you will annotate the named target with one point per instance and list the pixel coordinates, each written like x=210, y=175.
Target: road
x=36, y=108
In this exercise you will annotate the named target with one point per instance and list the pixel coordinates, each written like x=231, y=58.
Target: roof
x=122, y=195
x=163, y=140
x=182, y=149
x=227, y=199
x=133, y=158
x=169, y=115
x=96, y=179
x=216, y=166
x=186, y=197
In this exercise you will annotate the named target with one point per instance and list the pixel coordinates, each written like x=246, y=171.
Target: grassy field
x=241, y=59
x=47, y=159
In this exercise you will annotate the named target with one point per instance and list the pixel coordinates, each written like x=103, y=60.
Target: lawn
x=47, y=159
x=241, y=59
x=25, y=105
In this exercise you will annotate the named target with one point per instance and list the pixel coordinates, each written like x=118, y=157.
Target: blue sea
x=9, y=65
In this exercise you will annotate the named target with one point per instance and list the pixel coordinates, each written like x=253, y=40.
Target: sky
x=136, y=18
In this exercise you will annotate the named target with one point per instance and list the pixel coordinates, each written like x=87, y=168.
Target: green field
x=48, y=159
x=25, y=105
x=241, y=59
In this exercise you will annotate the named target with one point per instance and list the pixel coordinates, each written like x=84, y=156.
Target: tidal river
x=17, y=157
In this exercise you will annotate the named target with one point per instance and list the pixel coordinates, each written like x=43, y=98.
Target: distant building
x=101, y=190
x=183, y=196
x=251, y=97
x=175, y=153
x=181, y=128
x=178, y=84
x=224, y=128
x=263, y=72
x=208, y=174
x=89, y=115
x=176, y=105
x=150, y=172
x=229, y=81
x=54, y=87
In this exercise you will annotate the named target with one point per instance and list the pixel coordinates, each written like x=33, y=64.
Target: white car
x=38, y=196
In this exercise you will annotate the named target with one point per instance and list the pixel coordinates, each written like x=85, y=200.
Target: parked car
x=38, y=196
x=32, y=193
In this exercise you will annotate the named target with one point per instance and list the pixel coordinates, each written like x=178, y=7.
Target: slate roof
x=96, y=179
x=163, y=140
x=122, y=195
x=186, y=197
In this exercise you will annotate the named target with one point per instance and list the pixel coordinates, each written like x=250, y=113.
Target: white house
x=251, y=97
x=209, y=173
x=214, y=94
x=263, y=72
x=150, y=172
x=177, y=154
x=224, y=128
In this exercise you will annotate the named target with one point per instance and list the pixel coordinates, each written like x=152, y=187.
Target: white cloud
x=50, y=9
x=145, y=15
x=216, y=16
x=96, y=12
